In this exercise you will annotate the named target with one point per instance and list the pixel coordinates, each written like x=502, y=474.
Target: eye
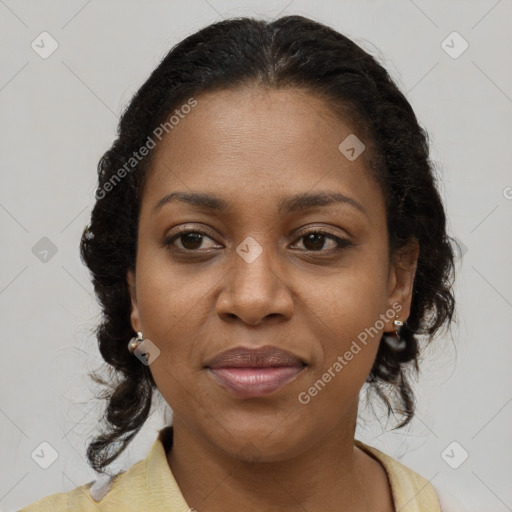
x=314, y=241
x=190, y=240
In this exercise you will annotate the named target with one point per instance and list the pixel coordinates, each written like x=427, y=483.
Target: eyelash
x=340, y=242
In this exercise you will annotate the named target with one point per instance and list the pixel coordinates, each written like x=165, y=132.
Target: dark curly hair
x=289, y=52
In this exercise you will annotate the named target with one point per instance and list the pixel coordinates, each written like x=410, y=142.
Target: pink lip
x=254, y=382
x=255, y=357
x=248, y=372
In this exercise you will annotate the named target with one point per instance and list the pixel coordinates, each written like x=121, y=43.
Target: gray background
x=59, y=114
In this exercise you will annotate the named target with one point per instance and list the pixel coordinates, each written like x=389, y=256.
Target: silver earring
x=135, y=342
x=394, y=340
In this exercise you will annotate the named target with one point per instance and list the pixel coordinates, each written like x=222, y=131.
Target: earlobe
x=134, y=314
x=401, y=283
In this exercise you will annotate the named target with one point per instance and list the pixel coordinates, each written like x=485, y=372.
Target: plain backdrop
x=59, y=114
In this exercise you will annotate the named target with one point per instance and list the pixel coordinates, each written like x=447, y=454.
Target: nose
x=254, y=290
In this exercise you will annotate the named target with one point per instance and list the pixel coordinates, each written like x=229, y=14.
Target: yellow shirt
x=149, y=485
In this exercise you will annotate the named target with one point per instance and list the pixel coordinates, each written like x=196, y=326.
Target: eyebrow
x=292, y=204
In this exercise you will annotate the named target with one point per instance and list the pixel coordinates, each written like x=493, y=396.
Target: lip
x=253, y=372
x=254, y=382
x=259, y=357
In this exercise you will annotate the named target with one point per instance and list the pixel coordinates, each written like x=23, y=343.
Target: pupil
x=317, y=239
x=196, y=240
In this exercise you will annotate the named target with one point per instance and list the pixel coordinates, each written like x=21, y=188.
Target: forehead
x=258, y=119
x=254, y=141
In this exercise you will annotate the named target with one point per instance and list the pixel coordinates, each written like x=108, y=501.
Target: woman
x=267, y=238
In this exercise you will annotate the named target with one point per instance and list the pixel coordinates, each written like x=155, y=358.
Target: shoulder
x=147, y=485
x=125, y=489
x=411, y=491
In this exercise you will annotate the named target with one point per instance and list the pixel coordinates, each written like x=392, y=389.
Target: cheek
x=169, y=295
x=171, y=307
x=348, y=303
x=347, y=315
x=348, y=354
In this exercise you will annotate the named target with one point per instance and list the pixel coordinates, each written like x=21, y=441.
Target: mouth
x=255, y=372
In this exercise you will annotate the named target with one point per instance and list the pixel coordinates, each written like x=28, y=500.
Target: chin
x=265, y=443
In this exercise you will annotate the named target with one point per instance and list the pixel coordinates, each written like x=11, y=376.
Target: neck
x=327, y=476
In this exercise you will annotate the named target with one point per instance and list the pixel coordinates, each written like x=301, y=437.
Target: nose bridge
x=254, y=287
x=254, y=266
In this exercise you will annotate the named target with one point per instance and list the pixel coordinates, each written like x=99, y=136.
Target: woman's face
x=257, y=274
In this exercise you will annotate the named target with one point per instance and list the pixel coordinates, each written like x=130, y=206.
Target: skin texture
x=253, y=147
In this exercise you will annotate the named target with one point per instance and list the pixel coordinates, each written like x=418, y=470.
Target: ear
x=134, y=315
x=401, y=281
